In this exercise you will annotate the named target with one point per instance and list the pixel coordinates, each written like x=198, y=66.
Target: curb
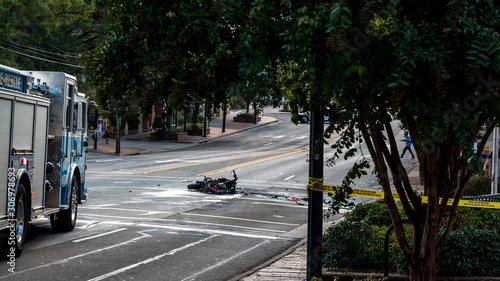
x=269, y=262
x=233, y=133
x=193, y=142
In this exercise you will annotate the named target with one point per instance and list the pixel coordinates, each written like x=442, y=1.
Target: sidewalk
x=141, y=143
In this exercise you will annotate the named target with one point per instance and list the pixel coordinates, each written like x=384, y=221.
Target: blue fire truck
x=43, y=133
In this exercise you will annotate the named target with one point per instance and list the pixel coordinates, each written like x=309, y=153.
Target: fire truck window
x=68, y=116
x=75, y=118
x=71, y=89
x=84, y=117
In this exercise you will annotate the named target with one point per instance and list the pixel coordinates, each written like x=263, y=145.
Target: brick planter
x=245, y=119
x=176, y=136
x=198, y=132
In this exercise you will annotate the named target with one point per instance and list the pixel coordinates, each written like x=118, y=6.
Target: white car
x=306, y=117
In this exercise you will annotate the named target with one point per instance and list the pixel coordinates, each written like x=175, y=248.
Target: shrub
x=353, y=245
x=372, y=278
x=174, y=130
x=245, y=114
x=189, y=126
x=478, y=185
x=470, y=251
x=479, y=218
x=158, y=124
x=372, y=213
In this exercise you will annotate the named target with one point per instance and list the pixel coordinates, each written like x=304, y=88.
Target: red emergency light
x=23, y=161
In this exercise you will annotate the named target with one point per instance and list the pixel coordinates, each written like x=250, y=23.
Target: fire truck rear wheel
x=22, y=221
x=65, y=220
x=13, y=238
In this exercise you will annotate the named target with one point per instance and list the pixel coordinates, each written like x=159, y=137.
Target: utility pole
x=494, y=162
x=224, y=107
x=96, y=114
x=315, y=208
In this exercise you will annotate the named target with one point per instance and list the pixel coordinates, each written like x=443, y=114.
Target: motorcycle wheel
x=214, y=187
x=194, y=185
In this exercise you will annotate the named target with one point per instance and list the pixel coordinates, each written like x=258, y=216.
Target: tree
x=176, y=53
x=429, y=65
x=46, y=35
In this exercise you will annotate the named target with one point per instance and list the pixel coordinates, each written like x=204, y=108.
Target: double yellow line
x=283, y=154
x=280, y=154
x=277, y=154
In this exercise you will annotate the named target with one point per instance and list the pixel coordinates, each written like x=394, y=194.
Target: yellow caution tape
x=317, y=185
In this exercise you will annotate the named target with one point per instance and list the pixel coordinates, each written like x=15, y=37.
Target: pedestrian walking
x=107, y=135
x=407, y=139
x=487, y=168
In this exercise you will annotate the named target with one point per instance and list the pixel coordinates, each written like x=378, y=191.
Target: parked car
x=306, y=117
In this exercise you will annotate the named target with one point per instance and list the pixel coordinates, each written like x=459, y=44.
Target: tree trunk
x=424, y=269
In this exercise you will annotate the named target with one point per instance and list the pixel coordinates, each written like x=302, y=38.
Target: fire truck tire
x=13, y=238
x=22, y=221
x=65, y=220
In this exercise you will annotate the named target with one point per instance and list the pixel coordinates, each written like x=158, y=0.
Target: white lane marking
x=303, y=137
x=168, y=161
x=178, y=160
x=289, y=177
x=109, y=172
x=123, y=182
x=123, y=269
x=195, y=222
x=131, y=210
x=224, y=261
x=125, y=163
x=107, y=160
x=98, y=235
x=210, y=231
x=63, y=261
x=240, y=219
x=98, y=206
x=269, y=143
x=278, y=137
x=292, y=136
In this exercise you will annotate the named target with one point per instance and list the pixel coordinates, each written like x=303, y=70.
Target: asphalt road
x=141, y=222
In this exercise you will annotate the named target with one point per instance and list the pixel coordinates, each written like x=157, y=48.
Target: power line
x=37, y=49
x=79, y=54
x=60, y=59
x=38, y=58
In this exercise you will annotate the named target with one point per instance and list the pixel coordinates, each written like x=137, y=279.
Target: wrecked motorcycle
x=217, y=186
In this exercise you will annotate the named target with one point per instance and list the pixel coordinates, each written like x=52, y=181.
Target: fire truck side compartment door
x=5, y=128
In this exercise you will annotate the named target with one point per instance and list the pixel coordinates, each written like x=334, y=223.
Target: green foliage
x=488, y=219
x=470, y=252
x=473, y=245
x=132, y=118
x=372, y=278
x=478, y=185
x=472, y=248
x=47, y=35
x=245, y=114
x=352, y=244
x=159, y=124
x=196, y=126
x=371, y=213
x=174, y=130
